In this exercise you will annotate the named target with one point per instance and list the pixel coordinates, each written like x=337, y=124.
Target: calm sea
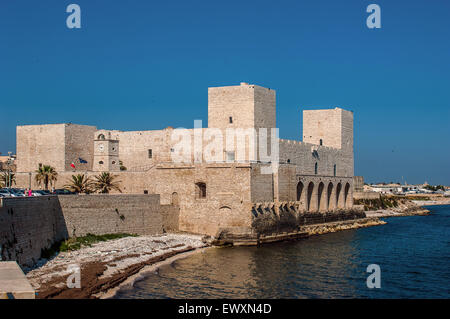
x=412, y=252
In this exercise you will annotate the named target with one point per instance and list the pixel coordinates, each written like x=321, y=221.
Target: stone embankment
x=268, y=227
x=106, y=265
x=440, y=201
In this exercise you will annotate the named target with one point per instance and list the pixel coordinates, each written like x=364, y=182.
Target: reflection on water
x=413, y=253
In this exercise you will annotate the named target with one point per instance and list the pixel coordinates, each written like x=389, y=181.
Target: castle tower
x=106, y=155
x=245, y=106
x=241, y=106
x=332, y=128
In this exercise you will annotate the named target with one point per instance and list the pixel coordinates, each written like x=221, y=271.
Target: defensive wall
x=30, y=225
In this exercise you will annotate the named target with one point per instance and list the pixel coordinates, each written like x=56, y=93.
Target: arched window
x=200, y=190
x=321, y=142
x=334, y=170
x=101, y=137
x=315, y=168
x=101, y=162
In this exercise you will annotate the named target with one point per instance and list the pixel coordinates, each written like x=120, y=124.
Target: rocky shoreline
x=418, y=211
x=107, y=264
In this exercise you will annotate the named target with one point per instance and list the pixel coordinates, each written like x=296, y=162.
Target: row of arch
x=324, y=196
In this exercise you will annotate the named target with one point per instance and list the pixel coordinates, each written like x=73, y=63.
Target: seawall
x=29, y=225
x=269, y=225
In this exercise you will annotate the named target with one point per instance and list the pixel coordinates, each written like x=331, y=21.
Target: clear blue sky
x=137, y=65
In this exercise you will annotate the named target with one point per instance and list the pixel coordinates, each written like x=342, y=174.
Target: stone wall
x=79, y=143
x=109, y=214
x=358, y=184
x=170, y=217
x=40, y=144
x=29, y=225
x=366, y=195
x=289, y=219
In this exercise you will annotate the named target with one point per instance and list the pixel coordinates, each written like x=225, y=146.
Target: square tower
x=332, y=128
x=106, y=155
x=241, y=106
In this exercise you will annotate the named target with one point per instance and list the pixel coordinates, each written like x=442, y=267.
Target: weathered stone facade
x=314, y=174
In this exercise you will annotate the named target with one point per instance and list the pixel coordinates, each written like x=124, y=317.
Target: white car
x=6, y=193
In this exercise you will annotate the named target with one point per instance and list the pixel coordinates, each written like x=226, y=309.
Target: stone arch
x=224, y=210
x=321, y=197
x=339, y=193
x=311, y=204
x=101, y=137
x=347, y=201
x=330, y=202
x=175, y=199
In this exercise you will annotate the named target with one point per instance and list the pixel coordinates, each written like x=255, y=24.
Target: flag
x=82, y=161
x=72, y=165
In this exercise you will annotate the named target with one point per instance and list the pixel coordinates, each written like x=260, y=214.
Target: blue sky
x=138, y=65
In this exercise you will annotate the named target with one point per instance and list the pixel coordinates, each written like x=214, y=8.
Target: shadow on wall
x=29, y=226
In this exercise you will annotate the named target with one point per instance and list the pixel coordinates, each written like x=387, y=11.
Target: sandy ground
x=106, y=265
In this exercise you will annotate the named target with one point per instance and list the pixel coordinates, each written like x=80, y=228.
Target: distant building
x=395, y=189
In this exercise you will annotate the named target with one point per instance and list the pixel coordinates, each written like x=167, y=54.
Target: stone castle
x=313, y=175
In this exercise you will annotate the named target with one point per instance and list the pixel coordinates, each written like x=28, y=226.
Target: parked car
x=63, y=192
x=18, y=191
x=6, y=192
x=41, y=192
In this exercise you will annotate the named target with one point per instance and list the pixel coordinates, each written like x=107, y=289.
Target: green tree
x=79, y=183
x=7, y=179
x=105, y=182
x=46, y=175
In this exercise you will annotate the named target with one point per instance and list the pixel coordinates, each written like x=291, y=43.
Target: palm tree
x=7, y=179
x=79, y=183
x=105, y=182
x=46, y=174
